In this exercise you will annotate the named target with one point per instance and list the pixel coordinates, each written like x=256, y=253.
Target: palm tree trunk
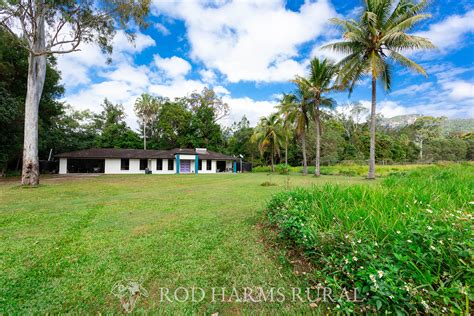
x=272, y=154
x=317, y=172
x=303, y=144
x=36, y=78
x=286, y=149
x=144, y=135
x=371, y=174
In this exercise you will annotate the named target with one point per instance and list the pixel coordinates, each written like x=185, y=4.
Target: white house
x=130, y=161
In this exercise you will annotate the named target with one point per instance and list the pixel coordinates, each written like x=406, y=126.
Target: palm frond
x=407, y=62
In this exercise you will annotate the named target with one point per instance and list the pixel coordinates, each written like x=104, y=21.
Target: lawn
x=65, y=244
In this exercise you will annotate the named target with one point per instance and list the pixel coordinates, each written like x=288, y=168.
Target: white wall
x=62, y=165
x=112, y=166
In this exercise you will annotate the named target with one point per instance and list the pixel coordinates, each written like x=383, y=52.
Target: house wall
x=62, y=165
x=112, y=166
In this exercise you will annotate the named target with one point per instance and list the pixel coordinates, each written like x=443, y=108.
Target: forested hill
x=448, y=126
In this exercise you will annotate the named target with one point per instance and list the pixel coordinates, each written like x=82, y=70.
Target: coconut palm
x=375, y=39
x=146, y=108
x=320, y=82
x=299, y=105
x=286, y=109
x=269, y=135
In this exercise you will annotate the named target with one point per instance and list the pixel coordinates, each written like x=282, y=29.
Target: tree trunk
x=421, y=149
x=371, y=174
x=144, y=135
x=303, y=144
x=273, y=165
x=36, y=77
x=286, y=149
x=317, y=172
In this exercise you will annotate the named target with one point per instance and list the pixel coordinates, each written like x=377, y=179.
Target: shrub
x=283, y=168
x=406, y=245
x=262, y=169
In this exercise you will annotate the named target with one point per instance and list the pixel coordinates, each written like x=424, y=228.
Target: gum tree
x=51, y=27
x=373, y=42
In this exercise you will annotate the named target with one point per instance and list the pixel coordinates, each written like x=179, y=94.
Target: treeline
x=194, y=121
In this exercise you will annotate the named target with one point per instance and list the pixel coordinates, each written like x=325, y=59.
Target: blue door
x=185, y=166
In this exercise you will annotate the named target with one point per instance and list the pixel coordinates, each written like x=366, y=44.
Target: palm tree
x=379, y=36
x=319, y=82
x=286, y=109
x=146, y=108
x=268, y=134
x=299, y=114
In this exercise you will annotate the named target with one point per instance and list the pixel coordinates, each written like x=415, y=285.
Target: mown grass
x=64, y=244
x=406, y=245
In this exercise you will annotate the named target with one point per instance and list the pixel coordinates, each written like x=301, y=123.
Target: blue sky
x=249, y=50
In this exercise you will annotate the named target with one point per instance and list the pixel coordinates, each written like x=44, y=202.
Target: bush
x=405, y=245
x=262, y=169
x=283, y=168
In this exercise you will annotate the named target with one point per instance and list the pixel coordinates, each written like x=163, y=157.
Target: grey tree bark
x=303, y=144
x=371, y=174
x=36, y=77
x=317, y=171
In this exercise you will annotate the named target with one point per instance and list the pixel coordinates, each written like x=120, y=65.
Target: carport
x=85, y=165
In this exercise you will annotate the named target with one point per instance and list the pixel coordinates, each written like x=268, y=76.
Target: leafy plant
x=405, y=245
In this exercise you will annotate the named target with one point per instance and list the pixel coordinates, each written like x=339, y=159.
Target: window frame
x=170, y=164
x=123, y=166
x=146, y=164
x=159, y=164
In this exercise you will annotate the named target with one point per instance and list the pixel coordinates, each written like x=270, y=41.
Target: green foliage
x=283, y=168
x=405, y=245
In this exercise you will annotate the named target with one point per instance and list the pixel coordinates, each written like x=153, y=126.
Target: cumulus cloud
x=172, y=67
x=252, y=109
x=450, y=33
x=249, y=40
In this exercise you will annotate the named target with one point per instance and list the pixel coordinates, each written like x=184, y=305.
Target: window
x=200, y=164
x=124, y=164
x=159, y=164
x=170, y=164
x=143, y=164
x=209, y=164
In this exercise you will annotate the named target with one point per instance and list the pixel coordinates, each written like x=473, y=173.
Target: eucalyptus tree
x=50, y=27
x=319, y=82
x=373, y=42
x=146, y=108
x=269, y=136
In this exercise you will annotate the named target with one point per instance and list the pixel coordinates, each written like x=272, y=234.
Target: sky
x=249, y=50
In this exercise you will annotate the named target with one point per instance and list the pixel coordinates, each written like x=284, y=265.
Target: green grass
x=406, y=244
x=351, y=170
x=64, y=244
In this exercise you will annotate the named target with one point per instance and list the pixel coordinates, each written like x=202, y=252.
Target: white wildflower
x=372, y=278
x=380, y=273
x=441, y=242
x=346, y=261
x=429, y=227
x=472, y=202
x=398, y=232
x=426, y=306
x=429, y=211
x=354, y=258
x=359, y=241
x=409, y=241
x=432, y=247
x=346, y=236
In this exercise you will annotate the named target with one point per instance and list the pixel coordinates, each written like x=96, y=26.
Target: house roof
x=140, y=153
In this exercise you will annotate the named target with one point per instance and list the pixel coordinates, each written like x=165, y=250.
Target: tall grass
x=406, y=245
x=344, y=169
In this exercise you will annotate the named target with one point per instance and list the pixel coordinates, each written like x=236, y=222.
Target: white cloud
x=76, y=67
x=252, y=109
x=450, y=33
x=172, y=67
x=249, y=40
x=162, y=29
x=459, y=90
x=413, y=89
